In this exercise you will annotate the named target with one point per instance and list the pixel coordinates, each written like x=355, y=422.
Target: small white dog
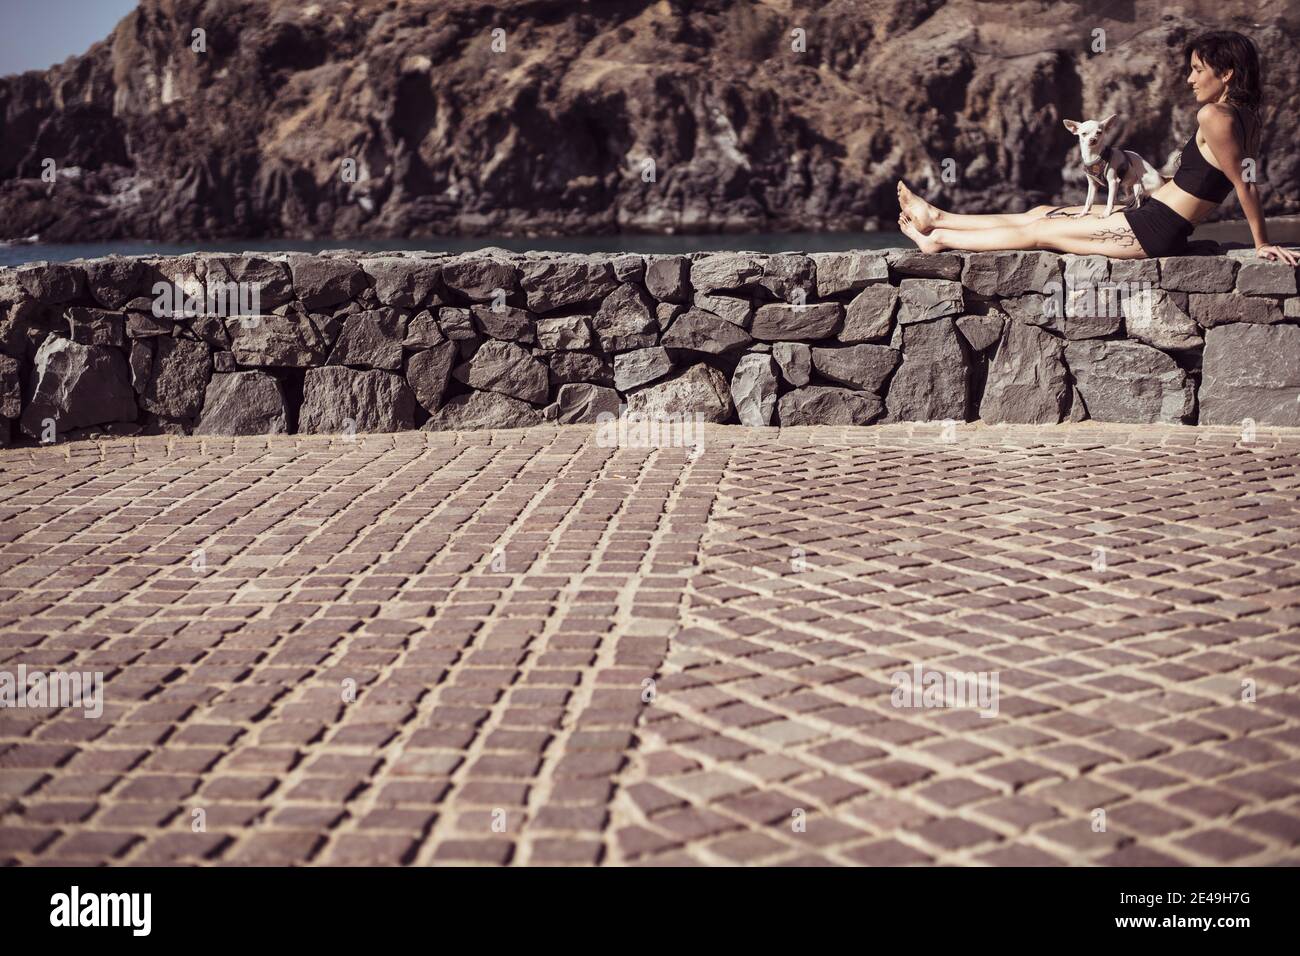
x=1119, y=170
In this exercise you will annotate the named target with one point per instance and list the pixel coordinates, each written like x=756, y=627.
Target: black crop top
x=1196, y=176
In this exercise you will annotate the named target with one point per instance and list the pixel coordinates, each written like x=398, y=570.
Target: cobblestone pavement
x=522, y=647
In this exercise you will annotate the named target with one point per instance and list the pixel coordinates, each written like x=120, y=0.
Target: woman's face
x=1205, y=85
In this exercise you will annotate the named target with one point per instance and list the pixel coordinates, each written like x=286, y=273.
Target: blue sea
x=11, y=255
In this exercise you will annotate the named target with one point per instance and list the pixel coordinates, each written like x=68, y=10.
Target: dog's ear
x=1106, y=123
x=1072, y=126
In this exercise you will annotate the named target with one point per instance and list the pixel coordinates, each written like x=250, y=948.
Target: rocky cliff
x=243, y=118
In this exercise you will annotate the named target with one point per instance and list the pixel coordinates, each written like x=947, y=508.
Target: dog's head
x=1094, y=136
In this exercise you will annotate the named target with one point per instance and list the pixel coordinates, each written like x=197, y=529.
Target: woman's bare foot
x=923, y=241
x=921, y=213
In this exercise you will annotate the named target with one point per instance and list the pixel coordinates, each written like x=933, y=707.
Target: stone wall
x=384, y=342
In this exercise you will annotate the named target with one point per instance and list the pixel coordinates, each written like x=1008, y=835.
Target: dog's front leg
x=1092, y=195
x=1112, y=185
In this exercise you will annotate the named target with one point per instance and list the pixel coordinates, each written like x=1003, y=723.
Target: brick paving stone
x=523, y=647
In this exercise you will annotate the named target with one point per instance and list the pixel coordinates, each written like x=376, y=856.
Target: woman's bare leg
x=1111, y=236
x=926, y=216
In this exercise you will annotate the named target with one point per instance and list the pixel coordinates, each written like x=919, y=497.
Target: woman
x=1225, y=78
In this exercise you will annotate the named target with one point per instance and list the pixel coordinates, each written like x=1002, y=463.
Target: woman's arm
x=1217, y=124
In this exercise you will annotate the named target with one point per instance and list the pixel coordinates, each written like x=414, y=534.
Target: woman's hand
x=1278, y=253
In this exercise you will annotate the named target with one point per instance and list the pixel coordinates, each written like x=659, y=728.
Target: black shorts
x=1159, y=230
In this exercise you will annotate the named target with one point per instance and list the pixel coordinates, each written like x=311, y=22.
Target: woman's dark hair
x=1223, y=50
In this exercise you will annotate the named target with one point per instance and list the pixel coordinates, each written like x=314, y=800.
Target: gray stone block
x=753, y=389
x=870, y=316
x=698, y=391
x=825, y=405
x=927, y=299
x=340, y=400
x=243, y=403
x=1251, y=372
x=1264, y=277
x=932, y=383
x=1010, y=273
x=795, y=361
x=1223, y=308
x=866, y=367
x=1123, y=381
x=778, y=322
x=1027, y=380
x=839, y=272
x=1197, y=273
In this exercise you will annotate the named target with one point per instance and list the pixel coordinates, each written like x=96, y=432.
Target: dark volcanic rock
x=51, y=283
x=753, y=389
x=320, y=282
x=700, y=390
x=270, y=279
x=422, y=332
x=402, y=281
x=1010, y=273
x=480, y=278
x=870, y=316
x=626, y=320
x=823, y=405
x=735, y=310
x=243, y=403
x=1159, y=320
x=582, y=404
x=97, y=327
x=640, y=367
x=699, y=331
x=506, y=368
x=178, y=375
x=725, y=270
x=932, y=382
x=274, y=340
x=76, y=386
x=1026, y=379
x=11, y=393
x=839, y=272
x=457, y=324
x=859, y=366
x=926, y=299
x=507, y=323
x=1251, y=372
x=981, y=331
x=482, y=410
x=788, y=275
x=778, y=322
x=554, y=283
x=1224, y=308
x=337, y=399
x=579, y=367
x=668, y=278
x=795, y=360
x=571, y=332
x=1125, y=381
x=428, y=373
x=116, y=280
x=371, y=340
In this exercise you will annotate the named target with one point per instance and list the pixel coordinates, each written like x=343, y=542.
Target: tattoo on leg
x=1123, y=237
x=1060, y=213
